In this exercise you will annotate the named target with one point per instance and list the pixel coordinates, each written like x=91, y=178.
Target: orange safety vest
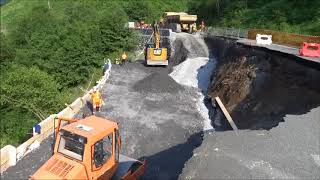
x=124, y=56
x=96, y=98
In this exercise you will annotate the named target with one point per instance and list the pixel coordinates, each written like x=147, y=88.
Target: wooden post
x=226, y=114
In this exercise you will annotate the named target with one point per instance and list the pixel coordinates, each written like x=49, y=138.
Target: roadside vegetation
x=50, y=51
x=301, y=17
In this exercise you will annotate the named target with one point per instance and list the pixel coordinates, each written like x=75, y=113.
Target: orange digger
x=88, y=149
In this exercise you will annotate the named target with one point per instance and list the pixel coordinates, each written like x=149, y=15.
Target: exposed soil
x=259, y=88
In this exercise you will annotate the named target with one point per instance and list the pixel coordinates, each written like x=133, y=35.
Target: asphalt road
x=279, y=48
x=156, y=116
x=30, y=163
x=288, y=151
x=159, y=119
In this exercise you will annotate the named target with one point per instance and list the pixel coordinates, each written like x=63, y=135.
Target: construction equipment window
x=71, y=147
x=103, y=150
x=117, y=143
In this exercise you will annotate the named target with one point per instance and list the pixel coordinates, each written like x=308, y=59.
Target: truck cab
x=87, y=149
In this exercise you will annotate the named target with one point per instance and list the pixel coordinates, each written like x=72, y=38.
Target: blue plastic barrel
x=37, y=128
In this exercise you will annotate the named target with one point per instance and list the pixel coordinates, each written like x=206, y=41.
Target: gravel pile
x=157, y=82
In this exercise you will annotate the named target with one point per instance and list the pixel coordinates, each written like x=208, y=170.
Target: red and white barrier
x=310, y=49
x=264, y=39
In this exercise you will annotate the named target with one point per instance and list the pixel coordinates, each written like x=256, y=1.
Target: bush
x=28, y=95
x=300, y=17
x=30, y=89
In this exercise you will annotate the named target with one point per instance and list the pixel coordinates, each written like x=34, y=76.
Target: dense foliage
x=50, y=49
x=302, y=17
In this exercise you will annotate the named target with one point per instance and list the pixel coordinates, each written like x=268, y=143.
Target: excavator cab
x=89, y=149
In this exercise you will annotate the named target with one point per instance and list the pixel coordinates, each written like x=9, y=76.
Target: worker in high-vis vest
x=124, y=57
x=96, y=100
x=202, y=26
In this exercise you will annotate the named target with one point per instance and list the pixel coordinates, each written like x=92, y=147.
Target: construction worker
x=202, y=26
x=123, y=57
x=96, y=100
x=117, y=61
x=161, y=22
x=141, y=24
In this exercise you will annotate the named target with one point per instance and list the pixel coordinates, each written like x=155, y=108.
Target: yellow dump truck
x=180, y=21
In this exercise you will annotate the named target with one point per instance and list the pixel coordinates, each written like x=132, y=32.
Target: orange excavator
x=88, y=149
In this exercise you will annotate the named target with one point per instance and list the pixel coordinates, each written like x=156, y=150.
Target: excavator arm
x=156, y=33
x=156, y=55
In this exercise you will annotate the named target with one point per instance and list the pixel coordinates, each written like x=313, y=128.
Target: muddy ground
x=260, y=87
x=275, y=100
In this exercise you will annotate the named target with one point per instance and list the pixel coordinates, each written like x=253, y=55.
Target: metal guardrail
x=226, y=32
x=146, y=37
x=283, y=38
x=148, y=32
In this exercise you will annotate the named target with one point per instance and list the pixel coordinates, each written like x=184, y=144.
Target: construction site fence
x=225, y=32
x=289, y=39
x=11, y=154
x=283, y=38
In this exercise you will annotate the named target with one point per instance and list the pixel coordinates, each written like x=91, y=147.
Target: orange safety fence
x=294, y=40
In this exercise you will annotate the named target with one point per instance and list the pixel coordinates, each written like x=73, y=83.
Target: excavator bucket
x=129, y=168
x=157, y=56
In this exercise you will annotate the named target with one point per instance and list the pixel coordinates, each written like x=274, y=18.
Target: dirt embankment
x=260, y=87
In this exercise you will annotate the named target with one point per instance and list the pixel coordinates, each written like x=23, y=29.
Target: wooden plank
x=226, y=114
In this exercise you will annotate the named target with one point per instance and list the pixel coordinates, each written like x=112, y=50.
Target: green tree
x=5, y=51
x=30, y=89
x=15, y=125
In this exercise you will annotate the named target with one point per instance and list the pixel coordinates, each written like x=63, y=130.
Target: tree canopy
x=47, y=52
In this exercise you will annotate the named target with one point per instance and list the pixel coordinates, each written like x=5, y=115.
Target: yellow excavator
x=156, y=55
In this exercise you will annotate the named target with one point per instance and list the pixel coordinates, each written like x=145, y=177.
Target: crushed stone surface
x=157, y=82
x=159, y=118
x=288, y=151
x=195, y=71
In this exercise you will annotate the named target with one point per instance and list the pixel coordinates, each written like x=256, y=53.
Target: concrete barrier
x=264, y=39
x=10, y=155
